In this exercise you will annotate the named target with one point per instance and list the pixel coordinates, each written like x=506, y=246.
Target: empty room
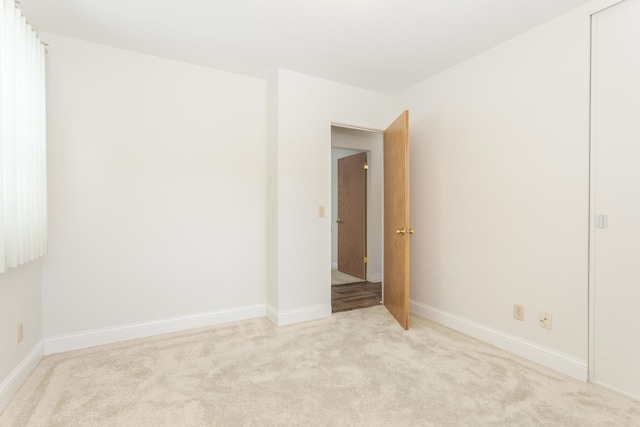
x=178, y=198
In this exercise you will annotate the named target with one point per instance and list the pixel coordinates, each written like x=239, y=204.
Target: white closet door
x=616, y=147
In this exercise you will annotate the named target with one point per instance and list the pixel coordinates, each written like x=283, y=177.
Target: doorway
x=358, y=290
x=345, y=142
x=393, y=241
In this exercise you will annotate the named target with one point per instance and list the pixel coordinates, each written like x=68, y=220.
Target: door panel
x=396, y=219
x=616, y=240
x=352, y=215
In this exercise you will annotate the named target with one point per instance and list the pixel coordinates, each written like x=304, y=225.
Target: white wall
x=306, y=106
x=371, y=142
x=157, y=192
x=20, y=302
x=499, y=192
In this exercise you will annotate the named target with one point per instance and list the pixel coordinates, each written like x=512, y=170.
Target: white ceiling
x=383, y=45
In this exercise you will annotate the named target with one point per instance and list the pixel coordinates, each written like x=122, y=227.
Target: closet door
x=616, y=192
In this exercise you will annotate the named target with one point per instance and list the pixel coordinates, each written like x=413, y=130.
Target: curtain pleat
x=23, y=168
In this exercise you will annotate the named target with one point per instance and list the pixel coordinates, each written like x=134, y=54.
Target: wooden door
x=352, y=215
x=396, y=219
x=616, y=198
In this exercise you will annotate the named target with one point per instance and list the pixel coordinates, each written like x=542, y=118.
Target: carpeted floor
x=340, y=278
x=355, y=368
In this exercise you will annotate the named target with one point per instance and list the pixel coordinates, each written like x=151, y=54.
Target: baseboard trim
x=616, y=390
x=272, y=315
x=304, y=314
x=375, y=278
x=10, y=386
x=545, y=356
x=104, y=336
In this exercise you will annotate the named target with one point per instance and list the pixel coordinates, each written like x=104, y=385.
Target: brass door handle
x=338, y=220
x=404, y=231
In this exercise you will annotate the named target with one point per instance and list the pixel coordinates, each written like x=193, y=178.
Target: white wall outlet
x=518, y=311
x=546, y=319
x=321, y=212
x=20, y=333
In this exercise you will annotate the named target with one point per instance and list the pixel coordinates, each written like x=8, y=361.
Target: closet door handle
x=602, y=221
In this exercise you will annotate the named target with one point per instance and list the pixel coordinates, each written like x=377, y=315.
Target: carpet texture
x=340, y=278
x=355, y=368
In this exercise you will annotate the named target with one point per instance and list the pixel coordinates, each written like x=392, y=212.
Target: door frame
x=592, y=203
x=382, y=189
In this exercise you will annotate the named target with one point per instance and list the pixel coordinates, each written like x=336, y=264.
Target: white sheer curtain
x=23, y=173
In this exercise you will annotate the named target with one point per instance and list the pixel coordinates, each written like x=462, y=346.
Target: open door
x=352, y=215
x=396, y=219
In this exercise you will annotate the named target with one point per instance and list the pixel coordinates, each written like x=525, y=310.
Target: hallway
x=355, y=296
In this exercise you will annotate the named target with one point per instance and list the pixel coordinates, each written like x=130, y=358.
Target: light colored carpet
x=355, y=368
x=340, y=278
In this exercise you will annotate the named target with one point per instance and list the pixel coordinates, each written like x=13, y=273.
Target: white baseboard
x=272, y=314
x=10, y=385
x=375, y=278
x=302, y=314
x=615, y=390
x=104, y=336
x=550, y=358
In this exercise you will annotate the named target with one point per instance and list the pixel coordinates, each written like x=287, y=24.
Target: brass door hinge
x=366, y=260
x=366, y=166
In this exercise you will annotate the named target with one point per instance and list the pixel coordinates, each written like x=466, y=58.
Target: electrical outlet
x=546, y=319
x=518, y=311
x=321, y=212
x=20, y=333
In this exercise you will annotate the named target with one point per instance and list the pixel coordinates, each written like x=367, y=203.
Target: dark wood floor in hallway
x=355, y=295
